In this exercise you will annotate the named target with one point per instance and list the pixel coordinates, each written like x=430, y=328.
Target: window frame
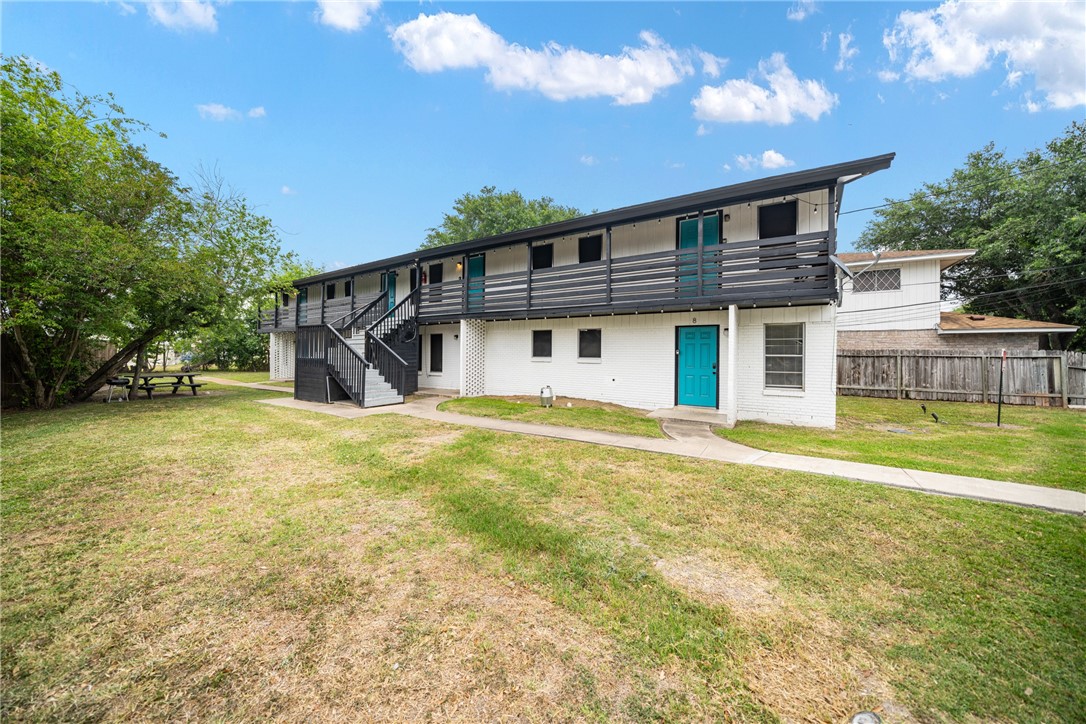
x=550, y=344
x=793, y=204
x=581, y=342
x=597, y=241
x=766, y=372
x=547, y=251
x=329, y=291
x=876, y=275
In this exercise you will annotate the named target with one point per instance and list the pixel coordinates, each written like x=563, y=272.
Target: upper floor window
x=777, y=220
x=543, y=256
x=330, y=291
x=589, y=248
x=348, y=287
x=437, y=273
x=877, y=280
x=286, y=299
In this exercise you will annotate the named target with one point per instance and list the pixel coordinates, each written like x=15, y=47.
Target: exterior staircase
x=360, y=356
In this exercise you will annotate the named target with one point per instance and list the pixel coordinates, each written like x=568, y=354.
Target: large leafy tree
x=491, y=212
x=101, y=243
x=1027, y=219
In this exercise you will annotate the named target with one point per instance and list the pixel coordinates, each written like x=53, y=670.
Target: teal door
x=688, y=268
x=476, y=272
x=697, y=363
x=388, y=281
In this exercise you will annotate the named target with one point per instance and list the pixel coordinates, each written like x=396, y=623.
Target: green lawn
x=239, y=376
x=214, y=558
x=1039, y=446
x=583, y=413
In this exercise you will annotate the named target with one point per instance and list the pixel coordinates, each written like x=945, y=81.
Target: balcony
x=766, y=271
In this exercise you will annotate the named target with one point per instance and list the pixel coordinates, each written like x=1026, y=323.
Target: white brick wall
x=637, y=368
x=815, y=405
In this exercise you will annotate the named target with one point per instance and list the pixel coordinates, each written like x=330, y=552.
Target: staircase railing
x=392, y=366
x=363, y=318
x=347, y=366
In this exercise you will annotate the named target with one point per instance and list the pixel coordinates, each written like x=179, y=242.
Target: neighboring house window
x=589, y=344
x=877, y=280
x=348, y=287
x=541, y=343
x=543, y=256
x=436, y=355
x=330, y=291
x=777, y=220
x=589, y=248
x=784, y=355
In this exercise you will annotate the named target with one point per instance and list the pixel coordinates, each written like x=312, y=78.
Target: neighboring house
x=723, y=300
x=893, y=302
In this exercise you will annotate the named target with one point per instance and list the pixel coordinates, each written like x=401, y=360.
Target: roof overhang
x=1017, y=330
x=783, y=184
x=945, y=259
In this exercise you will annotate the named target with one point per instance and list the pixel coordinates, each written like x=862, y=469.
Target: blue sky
x=354, y=125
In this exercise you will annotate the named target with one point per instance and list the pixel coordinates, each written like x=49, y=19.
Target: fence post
x=899, y=380
x=1063, y=379
x=984, y=378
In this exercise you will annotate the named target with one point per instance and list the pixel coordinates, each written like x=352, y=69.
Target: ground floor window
x=541, y=343
x=437, y=356
x=590, y=344
x=784, y=356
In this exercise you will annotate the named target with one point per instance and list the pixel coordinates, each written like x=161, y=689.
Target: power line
x=1003, y=292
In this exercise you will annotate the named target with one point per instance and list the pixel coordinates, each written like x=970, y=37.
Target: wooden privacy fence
x=1047, y=379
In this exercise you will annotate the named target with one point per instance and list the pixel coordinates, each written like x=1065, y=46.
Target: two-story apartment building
x=723, y=300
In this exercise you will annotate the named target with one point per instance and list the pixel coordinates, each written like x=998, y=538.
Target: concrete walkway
x=697, y=440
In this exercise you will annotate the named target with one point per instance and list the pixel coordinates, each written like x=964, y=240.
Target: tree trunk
x=73, y=346
x=141, y=362
x=37, y=389
x=110, y=367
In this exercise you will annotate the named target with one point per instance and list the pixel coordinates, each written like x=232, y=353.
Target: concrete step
x=382, y=401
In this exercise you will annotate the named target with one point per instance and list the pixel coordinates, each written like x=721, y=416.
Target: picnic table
x=149, y=385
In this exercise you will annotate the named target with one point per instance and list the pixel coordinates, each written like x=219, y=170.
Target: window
x=543, y=256
x=777, y=220
x=330, y=291
x=303, y=296
x=784, y=356
x=877, y=280
x=437, y=273
x=413, y=278
x=348, y=287
x=436, y=356
x=286, y=299
x=589, y=248
x=541, y=343
x=589, y=344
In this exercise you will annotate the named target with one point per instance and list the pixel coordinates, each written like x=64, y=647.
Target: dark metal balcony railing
x=791, y=268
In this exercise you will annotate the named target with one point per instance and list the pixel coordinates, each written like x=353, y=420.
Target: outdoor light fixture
x=459, y=266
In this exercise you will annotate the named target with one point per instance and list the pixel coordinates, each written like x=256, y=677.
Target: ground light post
x=999, y=405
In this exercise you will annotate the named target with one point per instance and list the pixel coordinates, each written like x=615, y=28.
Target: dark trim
x=716, y=394
x=781, y=185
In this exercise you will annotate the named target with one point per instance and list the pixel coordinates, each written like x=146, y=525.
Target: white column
x=733, y=363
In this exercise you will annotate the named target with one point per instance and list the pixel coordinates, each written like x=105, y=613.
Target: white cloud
x=125, y=8
x=1044, y=39
x=888, y=76
x=218, y=112
x=346, y=15
x=184, y=14
x=702, y=130
x=769, y=159
x=845, y=52
x=711, y=64
x=826, y=35
x=675, y=164
x=287, y=191
x=589, y=160
x=433, y=43
x=727, y=167
x=257, y=112
x=744, y=101
x=801, y=10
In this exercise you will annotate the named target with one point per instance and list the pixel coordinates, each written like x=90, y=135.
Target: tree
x=492, y=212
x=1025, y=217
x=102, y=243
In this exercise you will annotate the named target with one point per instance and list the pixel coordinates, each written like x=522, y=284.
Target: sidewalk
x=697, y=440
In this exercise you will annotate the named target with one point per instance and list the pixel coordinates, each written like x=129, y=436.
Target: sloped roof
x=946, y=257
x=957, y=323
